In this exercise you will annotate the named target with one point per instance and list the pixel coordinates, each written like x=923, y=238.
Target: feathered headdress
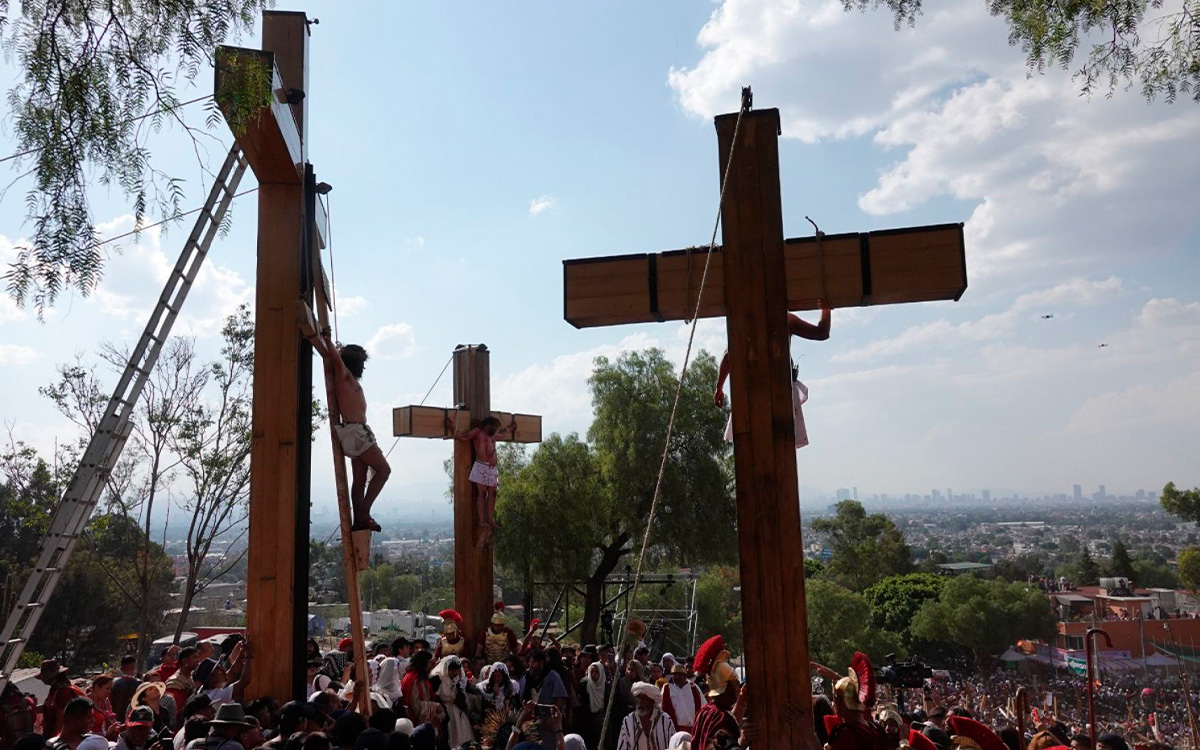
x=707, y=654
x=498, y=615
x=918, y=741
x=451, y=620
x=970, y=734
x=857, y=689
x=712, y=660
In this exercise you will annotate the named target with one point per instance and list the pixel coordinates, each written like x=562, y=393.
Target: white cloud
x=348, y=307
x=414, y=243
x=392, y=341
x=15, y=354
x=541, y=204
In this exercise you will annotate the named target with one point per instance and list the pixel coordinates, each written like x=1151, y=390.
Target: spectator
x=224, y=730
x=137, y=730
x=75, y=725
x=648, y=727
x=198, y=706
x=103, y=718
x=124, y=686
x=61, y=693
x=149, y=695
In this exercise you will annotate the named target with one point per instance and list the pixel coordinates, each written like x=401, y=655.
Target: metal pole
x=1089, y=656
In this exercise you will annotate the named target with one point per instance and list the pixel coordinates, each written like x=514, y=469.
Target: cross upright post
x=473, y=560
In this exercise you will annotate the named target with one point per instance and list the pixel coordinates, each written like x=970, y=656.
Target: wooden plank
x=769, y=543
x=430, y=422
x=271, y=142
x=904, y=265
x=473, y=573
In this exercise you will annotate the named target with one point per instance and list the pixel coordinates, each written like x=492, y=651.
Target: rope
x=662, y=467
x=180, y=105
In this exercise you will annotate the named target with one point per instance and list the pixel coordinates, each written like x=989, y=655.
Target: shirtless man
x=800, y=329
x=358, y=442
x=484, y=475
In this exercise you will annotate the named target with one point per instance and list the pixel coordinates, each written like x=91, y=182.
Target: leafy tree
x=897, y=599
x=1019, y=568
x=212, y=440
x=1120, y=564
x=1159, y=51
x=813, y=568
x=1189, y=568
x=1155, y=575
x=719, y=606
x=1182, y=503
x=866, y=548
x=93, y=81
x=839, y=623
x=984, y=617
x=1087, y=572
x=574, y=509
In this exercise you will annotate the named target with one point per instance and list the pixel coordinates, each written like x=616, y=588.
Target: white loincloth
x=356, y=439
x=799, y=396
x=481, y=473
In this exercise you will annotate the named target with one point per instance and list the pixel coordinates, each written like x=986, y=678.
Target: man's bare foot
x=370, y=524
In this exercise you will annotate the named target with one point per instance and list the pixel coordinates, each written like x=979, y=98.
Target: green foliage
x=839, y=623
x=1087, y=572
x=896, y=600
x=1182, y=503
x=93, y=80
x=1120, y=564
x=243, y=89
x=1129, y=43
x=1155, y=575
x=1189, y=568
x=385, y=587
x=719, y=606
x=984, y=617
x=1019, y=568
x=866, y=548
x=813, y=568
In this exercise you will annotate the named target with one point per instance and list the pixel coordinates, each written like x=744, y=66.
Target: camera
x=904, y=674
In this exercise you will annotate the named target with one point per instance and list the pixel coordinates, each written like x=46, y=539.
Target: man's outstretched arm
x=818, y=332
x=722, y=376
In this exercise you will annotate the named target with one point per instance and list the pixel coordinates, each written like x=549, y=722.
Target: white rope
x=662, y=467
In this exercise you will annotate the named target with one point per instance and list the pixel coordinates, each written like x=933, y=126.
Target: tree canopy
x=94, y=80
x=1120, y=564
x=1143, y=43
x=896, y=600
x=984, y=617
x=1182, y=503
x=574, y=508
x=839, y=623
x=866, y=548
x=1189, y=568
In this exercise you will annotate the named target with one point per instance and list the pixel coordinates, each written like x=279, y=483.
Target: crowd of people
x=505, y=693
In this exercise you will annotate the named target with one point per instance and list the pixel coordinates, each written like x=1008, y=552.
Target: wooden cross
x=290, y=225
x=473, y=575
x=754, y=280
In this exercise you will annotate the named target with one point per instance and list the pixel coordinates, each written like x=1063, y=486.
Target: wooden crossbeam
x=430, y=422
x=271, y=141
x=917, y=264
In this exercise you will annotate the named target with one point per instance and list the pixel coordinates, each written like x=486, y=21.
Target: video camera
x=905, y=674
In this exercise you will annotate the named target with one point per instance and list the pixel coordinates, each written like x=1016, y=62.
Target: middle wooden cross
x=473, y=575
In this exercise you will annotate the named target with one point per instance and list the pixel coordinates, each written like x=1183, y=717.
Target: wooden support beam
x=769, y=542
x=271, y=141
x=889, y=266
x=430, y=422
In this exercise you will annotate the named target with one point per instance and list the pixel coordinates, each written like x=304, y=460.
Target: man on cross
x=484, y=474
x=357, y=439
x=800, y=329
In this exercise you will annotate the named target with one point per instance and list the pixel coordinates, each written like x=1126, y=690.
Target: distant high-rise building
x=949, y=495
x=987, y=496
x=1103, y=492
x=1078, y=492
x=1141, y=494
x=935, y=496
x=842, y=494
x=856, y=494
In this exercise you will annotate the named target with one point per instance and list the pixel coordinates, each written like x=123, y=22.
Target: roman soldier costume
x=451, y=643
x=712, y=661
x=854, y=695
x=499, y=640
x=970, y=734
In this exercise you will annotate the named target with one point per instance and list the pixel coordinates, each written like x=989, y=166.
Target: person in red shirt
x=61, y=693
x=682, y=699
x=103, y=717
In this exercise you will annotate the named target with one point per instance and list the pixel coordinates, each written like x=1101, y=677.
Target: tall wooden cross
x=754, y=280
x=473, y=574
x=273, y=138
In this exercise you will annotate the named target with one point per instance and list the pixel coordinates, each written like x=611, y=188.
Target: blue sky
x=474, y=146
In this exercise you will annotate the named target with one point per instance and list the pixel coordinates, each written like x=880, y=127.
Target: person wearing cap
x=851, y=726
x=61, y=693
x=198, y=706
x=499, y=641
x=212, y=679
x=682, y=699
x=452, y=642
x=723, y=712
x=136, y=731
x=226, y=727
x=648, y=727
